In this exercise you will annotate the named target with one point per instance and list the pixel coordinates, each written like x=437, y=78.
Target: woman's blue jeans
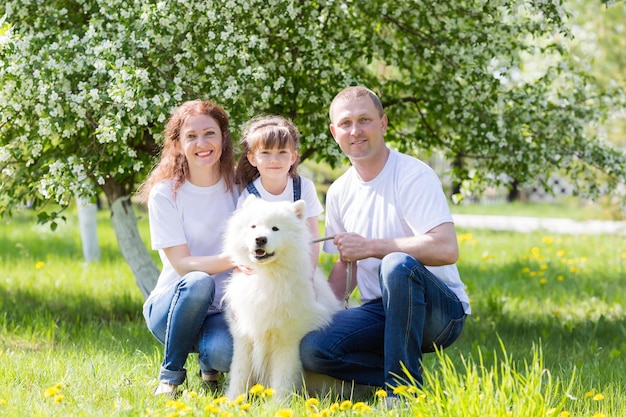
x=179, y=320
x=371, y=343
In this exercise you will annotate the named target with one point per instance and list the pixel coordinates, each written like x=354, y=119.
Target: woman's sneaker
x=166, y=388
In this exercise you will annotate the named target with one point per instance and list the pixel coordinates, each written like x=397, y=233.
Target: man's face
x=358, y=128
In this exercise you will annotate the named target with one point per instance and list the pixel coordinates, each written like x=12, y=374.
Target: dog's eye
x=275, y=229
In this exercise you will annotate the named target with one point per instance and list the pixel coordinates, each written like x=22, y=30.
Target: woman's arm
x=183, y=262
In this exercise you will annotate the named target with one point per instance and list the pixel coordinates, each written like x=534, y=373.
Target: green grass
x=547, y=336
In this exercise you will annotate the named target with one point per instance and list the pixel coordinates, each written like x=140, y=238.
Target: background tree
x=87, y=85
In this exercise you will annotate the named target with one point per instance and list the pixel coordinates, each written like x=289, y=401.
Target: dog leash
x=346, y=297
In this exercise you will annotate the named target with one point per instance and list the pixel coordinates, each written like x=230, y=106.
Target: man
x=390, y=219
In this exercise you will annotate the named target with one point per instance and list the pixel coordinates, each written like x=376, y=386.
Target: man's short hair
x=357, y=93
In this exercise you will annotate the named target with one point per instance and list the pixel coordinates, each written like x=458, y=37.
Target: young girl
x=190, y=193
x=268, y=168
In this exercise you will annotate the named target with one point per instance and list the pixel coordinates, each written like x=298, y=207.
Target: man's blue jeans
x=179, y=320
x=370, y=343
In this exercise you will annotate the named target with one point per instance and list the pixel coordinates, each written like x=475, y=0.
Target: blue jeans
x=179, y=320
x=370, y=343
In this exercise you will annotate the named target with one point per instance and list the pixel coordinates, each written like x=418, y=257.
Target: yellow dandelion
x=547, y=239
x=284, y=412
x=381, y=393
x=53, y=390
x=59, y=398
x=556, y=313
x=560, y=253
x=212, y=409
x=268, y=392
x=245, y=407
x=345, y=405
x=192, y=394
x=598, y=415
x=533, y=274
x=39, y=265
x=3, y=402
x=465, y=236
x=543, y=267
x=535, y=251
x=543, y=281
x=361, y=407
x=564, y=414
x=574, y=269
x=256, y=389
x=240, y=399
x=526, y=270
x=312, y=405
x=598, y=397
x=333, y=408
x=173, y=404
x=413, y=390
x=219, y=400
x=560, y=278
x=589, y=394
x=623, y=255
x=400, y=390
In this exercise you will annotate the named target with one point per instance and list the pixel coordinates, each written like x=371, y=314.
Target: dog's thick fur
x=271, y=309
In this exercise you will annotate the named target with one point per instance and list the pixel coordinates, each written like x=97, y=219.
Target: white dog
x=271, y=309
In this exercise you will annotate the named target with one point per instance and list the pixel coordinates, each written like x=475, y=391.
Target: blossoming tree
x=86, y=87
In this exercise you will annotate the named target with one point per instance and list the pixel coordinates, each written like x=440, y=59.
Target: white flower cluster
x=93, y=87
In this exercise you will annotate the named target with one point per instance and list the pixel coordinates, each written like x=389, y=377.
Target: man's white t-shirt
x=307, y=193
x=196, y=217
x=405, y=199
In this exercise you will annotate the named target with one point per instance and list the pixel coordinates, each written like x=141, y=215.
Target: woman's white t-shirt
x=196, y=217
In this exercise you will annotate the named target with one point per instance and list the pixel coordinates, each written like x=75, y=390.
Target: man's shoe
x=211, y=380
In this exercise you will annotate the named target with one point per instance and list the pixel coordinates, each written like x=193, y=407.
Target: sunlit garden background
x=502, y=97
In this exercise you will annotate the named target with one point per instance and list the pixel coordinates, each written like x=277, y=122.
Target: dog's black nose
x=261, y=241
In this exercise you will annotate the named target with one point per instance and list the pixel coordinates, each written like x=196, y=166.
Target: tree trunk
x=87, y=219
x=134, y=250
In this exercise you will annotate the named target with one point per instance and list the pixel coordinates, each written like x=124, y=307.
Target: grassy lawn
x=547, y=336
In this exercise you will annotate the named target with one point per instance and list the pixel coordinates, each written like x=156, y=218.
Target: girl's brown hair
x=173, y=164
x=265, y=132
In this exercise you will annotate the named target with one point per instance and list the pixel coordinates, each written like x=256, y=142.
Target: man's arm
x=436, y=247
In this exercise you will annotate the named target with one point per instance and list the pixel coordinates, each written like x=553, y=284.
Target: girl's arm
x=315, y=233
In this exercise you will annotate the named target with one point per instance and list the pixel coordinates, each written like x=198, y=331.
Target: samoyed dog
x=280, y=299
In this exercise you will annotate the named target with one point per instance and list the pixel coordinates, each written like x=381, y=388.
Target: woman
x=190, y=195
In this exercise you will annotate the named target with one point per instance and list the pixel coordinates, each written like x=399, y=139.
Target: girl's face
x=201, y=143
x=273, y=163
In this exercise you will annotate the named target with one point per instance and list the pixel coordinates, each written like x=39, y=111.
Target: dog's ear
x=300, y=208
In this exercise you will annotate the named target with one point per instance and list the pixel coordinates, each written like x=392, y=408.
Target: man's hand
x=352, y=246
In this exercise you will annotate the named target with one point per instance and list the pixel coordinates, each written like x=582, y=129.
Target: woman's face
x=201, y=143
